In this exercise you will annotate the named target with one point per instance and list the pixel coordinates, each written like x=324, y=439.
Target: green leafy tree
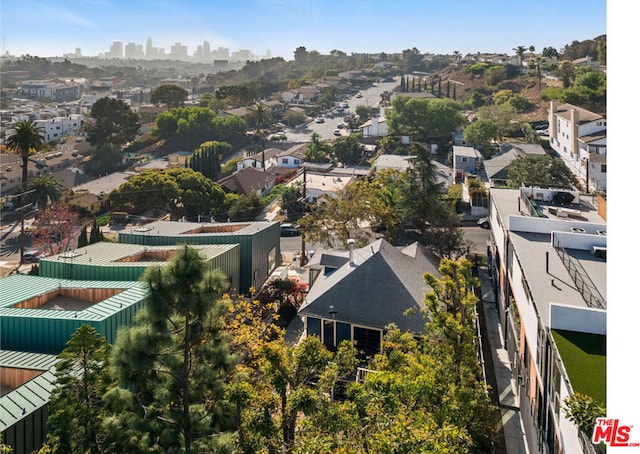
x=500, y=115
x=294, y=117
x=197, y=194
x=317, y=150
x=76, y=408
x=363, y=113
x=46, y=189
x=520, y=50
x=347, y=149
x=480, y=134
x=300, y=55
x=291, y=201
x=173, y=364
x=171, y=95
x=246, y=207
x=114, y=123
x=542, y=170
x=206, y=159
x=25, y=140
x=104, y=160
x=583, y=410
x=149, y=189
x=424, y=118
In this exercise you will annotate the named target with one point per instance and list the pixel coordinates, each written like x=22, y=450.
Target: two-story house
x=579, y=137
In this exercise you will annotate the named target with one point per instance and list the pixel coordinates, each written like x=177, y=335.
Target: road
x=370, y=98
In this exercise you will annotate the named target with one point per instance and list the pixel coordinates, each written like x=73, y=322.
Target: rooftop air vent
x=577, y=230
x=601, y=232
x=599, y=252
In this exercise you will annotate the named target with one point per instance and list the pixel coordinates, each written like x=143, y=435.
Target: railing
x=480, y=354
x=585, y=285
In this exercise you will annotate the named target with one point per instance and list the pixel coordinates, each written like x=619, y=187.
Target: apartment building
x=548, y=267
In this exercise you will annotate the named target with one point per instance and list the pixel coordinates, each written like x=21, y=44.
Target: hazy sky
x=48, y=28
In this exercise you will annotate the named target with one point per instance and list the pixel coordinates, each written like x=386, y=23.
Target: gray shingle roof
x=383, y=284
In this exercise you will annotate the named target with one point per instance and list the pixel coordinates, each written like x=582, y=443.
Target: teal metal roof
x=114, y=254
x=20, y=402
x=173, y=228
x=21, y=287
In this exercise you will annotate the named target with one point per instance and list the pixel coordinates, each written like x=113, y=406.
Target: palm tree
x=25, y=138
x=260, y=115
x=46, y=188
x=520, y=50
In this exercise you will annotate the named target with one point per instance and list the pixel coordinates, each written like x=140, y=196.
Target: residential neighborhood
x=443, y=252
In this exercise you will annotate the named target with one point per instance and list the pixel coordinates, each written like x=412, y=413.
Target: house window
x=314, y=327
x=296, y=161
x=328, y=334
x=465, y=159
x=603, y=168
x=285, y=160
x=367, y=340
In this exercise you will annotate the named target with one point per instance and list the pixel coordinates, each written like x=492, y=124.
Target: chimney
x=351, y=242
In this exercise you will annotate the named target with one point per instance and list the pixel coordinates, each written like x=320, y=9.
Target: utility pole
x=22, y=208
x=303, y=256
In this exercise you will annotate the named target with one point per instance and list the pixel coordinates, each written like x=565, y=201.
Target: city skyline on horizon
x=352, y=26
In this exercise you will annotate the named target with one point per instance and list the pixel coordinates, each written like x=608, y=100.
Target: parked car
x=289, y=230
x=484, y=223
x=33, y=256
x=336, y=132
x=562, y=198
x=319, y=120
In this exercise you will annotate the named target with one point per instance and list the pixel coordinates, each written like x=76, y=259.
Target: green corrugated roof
x=103, y=253
x=20, y=402
x=20, y=287
x=173, y=228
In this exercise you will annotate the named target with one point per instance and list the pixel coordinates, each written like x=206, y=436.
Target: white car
x=336, y=132
x=319, y=120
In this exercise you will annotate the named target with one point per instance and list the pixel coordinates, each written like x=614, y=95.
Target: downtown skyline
x=54, y=28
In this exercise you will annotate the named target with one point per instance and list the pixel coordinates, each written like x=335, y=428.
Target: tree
x=246, y=208
x=197, y=194
x=300, y=55
x=25, y=140
x=549, y=52
x=96, y=235
x=500, y=115
x=347, y=149
x=317, y=150
x=294, y=117
x=171, y=95
x=259, y=116
x=76, y=408
x=149, y=189
x=114, y=123
x=480, y=134
x=424, y=118
x=542, y=170
x=83, y=239
x=46, y=189
x=520, y=50
x=173, y=365
x=54, y=229
x=206, y=159
x=583, y=410
x=104, y=160
x=362, y=112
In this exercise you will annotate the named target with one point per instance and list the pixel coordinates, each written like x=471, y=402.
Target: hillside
x=527, y=86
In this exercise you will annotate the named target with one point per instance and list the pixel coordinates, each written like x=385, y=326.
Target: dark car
x=562, y=198
x=289, y=230
x=484, y=223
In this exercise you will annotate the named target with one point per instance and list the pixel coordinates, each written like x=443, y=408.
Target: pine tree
x=402, y=85
x=76, y=405
x=439, y=88
x=173, y=365
x=448, y=89
x=454, y=93
x=82, y=238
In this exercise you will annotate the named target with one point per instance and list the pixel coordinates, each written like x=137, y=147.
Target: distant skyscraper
x=149, y=49
x=179, y=52
x=78, y=52
x=130, y=50
x=116, y=50
x=206, y=50
x=268, y=55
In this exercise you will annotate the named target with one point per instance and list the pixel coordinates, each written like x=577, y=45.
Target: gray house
x=355, y=294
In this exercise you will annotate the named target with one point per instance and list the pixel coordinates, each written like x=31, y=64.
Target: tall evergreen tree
x=174, y=363
x=76, y=407
x=83, y=239
x=96, y=235
x=448, y=89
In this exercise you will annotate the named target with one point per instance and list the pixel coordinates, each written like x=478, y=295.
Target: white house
x=375, y=127
x=293, y=157
x=579, y=137
x=263, y=160
x=56, y=128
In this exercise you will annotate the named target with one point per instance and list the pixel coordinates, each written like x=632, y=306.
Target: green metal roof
x=20, y=402
x=173, y=228
x=20, y=287
x=113, y=254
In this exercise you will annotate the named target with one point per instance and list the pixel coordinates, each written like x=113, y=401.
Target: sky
x=49, y=28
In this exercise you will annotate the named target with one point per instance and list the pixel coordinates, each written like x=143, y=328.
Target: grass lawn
x=585, y=359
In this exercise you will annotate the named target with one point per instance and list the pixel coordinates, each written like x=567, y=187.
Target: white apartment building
x=51, y=90
x=56, y=128
x=579, y=137
x=548, y=268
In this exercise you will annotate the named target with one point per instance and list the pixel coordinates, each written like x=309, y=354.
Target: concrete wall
x=579, y=319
